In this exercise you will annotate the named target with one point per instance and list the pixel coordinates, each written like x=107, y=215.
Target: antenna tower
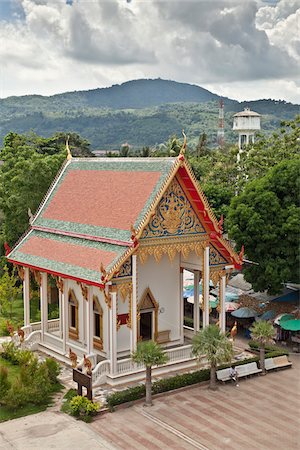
x=220, y=135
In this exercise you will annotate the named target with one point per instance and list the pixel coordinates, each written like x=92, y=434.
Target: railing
x=53, y=325
x=100, y=371
x=35, y=326
x=175, y=355
x=33, y=339
x=179, y=353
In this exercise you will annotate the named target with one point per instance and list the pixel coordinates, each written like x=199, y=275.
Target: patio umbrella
x=268, y=315
x=244, y=313
x=231, y=306
x=213, y=302
x=291, y=325
x=284, y=316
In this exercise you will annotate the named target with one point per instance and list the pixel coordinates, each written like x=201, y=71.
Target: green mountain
x=140, y=112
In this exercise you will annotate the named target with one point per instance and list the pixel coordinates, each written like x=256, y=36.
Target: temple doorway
x=146, y=325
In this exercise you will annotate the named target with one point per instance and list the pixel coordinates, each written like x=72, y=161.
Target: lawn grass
x=8, y=414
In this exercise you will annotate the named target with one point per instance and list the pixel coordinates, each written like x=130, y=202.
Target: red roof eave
x=57, y=274
x=207, y=217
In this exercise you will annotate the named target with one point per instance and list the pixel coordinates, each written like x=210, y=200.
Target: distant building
x=246, y=123
x=103, y=153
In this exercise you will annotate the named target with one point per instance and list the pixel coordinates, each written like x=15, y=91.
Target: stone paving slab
x=261, y=414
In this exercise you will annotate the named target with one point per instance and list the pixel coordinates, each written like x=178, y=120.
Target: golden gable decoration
x=174, y=216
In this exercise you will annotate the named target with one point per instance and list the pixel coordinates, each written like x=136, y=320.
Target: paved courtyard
x=262, y=413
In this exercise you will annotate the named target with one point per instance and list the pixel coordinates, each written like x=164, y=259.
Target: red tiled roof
x=101, y=198
x=67, y=253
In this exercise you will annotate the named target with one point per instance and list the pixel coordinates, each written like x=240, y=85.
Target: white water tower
x=246, y=123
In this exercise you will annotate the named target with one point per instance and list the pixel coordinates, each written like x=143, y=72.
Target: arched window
x=73, y=315
x=98, y=324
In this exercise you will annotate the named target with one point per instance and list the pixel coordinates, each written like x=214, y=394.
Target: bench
x=269, y=364
x=223, y=374
x=247, y=369
x=281, y=362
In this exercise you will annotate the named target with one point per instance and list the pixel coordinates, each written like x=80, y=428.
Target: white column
x=113, y=333
x=222, y=313
x=26, y=287
x=89, y=322
x=65, y=315
x=181, y=306
x=84, y=314
x=205, y=286
x=133, y=334
x=44, y=303
x=60, y=307
x=196, y=301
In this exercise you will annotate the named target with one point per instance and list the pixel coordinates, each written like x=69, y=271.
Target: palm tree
x=263, y=333
x=212, y=343
x=150, y=354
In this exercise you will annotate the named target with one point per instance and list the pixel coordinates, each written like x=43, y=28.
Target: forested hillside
x=141, y=112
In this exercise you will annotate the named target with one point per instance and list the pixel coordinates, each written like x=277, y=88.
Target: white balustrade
x=175, y=355
x=53, y=340
x=33, y=339
x=100, y=371
x=35, y=326
x=53, y=325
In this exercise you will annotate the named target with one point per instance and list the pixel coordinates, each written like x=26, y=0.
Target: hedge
x=167, y=384
x=268, y=348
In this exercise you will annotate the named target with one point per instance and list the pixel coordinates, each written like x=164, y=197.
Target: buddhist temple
x=110, y=242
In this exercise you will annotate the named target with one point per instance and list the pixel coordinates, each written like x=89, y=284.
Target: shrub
x=17, y=396
x=53, y=369
x=10, y=352
x=268, y=348
x=24, y=357
x=178, y=381
x=83, y=408
x=276, y=353
x=128, y=395
x=3, y=327
x=4, y=383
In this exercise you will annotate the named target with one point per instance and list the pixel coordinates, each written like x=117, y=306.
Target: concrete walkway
x=49, y=430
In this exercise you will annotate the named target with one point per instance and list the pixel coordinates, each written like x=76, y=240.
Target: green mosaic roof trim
x=163, y=165
x=63, y=268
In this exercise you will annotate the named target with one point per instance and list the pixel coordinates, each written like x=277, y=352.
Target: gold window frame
x=97, y=341
x=72, y=301
x=143, y=305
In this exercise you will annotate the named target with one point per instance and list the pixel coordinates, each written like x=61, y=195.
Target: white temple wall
x=163, y=279
x=193, y=261
x=123, y=334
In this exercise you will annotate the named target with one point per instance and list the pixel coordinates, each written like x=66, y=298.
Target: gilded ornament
x=84, y=291
x=60, y=284
x=37, y=277
x=21, y=272
x=174, y=215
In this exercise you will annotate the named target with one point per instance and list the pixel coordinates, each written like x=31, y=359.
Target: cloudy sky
x=244, y=49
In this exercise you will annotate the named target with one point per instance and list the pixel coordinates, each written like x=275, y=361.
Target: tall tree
x=150, y=354
x=263, y=333
x=9, y=291
x=265, y=219
x=212, y=343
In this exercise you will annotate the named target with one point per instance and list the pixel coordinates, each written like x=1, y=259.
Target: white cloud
x=229, y=45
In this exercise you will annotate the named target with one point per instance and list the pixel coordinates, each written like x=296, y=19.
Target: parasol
x=244, y=313
x=291, y=324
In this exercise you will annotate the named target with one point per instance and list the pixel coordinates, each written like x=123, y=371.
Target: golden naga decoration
x=37, y=277
x=69, y=154
x=103, y=272
x=107, y=298
x=73, y=358
x=133, y=235
x=87, y=363
x=21, y=334
x=84, y=291
x=10, y=328
x=183, y=148
x=21, y=272
x=60, y=284
x=241, y=254
x=233, y=331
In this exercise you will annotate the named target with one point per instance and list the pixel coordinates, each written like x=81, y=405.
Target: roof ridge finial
x=69, y=154
x=183, y=148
